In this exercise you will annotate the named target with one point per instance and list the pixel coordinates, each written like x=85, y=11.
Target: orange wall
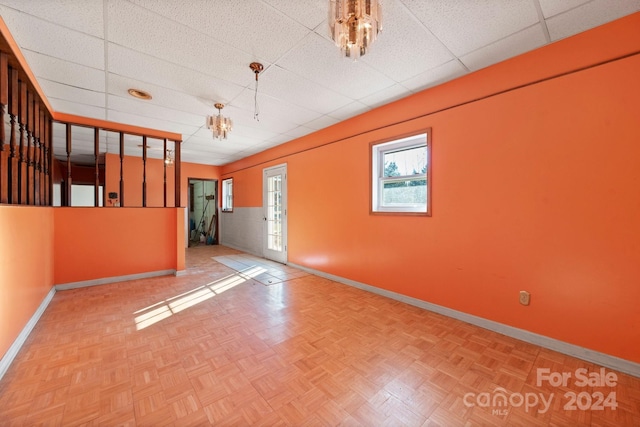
x=535, y=188
x=43, y=246
x=26, y=267
x=155, y=179
x=92, y=243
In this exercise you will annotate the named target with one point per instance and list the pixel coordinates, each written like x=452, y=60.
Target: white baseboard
x=602, y=359
x=115, y=279
x=12, y=352
x=245, y=250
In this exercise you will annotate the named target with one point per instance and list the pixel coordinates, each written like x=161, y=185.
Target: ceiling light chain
x=256, y=109
x=256, y=67
x=354, y=25
x=219, y=125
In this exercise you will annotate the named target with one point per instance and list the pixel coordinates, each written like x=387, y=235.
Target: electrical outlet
x=525, y=297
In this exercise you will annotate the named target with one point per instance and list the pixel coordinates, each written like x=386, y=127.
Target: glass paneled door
x=274, y=202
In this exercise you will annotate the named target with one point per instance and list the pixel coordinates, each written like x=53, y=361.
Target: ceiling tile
x=240, y=24
x=390, y=94
x=72, y=93
x=297, y=90
x=147, y=32
x=60, y=42
x=134, y=65
x=321, y=122
x=80, y=15
x=309, y=13
x=350, y=110
x=299, y=132
x=169, y=98
x=148, y=122
x=57, y=70
x=145, y=108
x=464, y=26
x=523, y=41
x=554, y=7
x=318, y=60
x=594, y=13
x=78, y=109
x=404, y=47
x=242, y=118
x=272, y=109
x=448, y=71
x=245, y=132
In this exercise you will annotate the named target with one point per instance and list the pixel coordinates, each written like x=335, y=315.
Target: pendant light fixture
x=257, y=68
x=169, y=159
x=219, y=125
x=354, y=25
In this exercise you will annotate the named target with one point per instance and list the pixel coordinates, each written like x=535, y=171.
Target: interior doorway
x=203, y=212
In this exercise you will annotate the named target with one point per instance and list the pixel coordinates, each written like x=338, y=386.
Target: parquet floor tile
x=239, y=341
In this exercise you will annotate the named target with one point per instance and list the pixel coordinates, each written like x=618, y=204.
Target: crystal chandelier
x=354, y=25
x=219, y=125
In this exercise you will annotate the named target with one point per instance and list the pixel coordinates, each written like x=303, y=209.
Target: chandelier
x=354, y=25
x=219, y=125
x=169, y=159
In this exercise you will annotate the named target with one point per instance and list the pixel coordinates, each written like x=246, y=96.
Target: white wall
x=242, y=229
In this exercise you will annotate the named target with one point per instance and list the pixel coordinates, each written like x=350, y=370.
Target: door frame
x=283, y=256
x=188, y=231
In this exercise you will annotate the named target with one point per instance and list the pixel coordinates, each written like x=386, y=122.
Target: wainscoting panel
x=242, y=229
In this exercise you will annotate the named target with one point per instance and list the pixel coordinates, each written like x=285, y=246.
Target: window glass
x=227, y=195
x=400, y=175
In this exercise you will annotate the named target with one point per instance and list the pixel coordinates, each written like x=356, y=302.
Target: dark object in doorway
x=113, y=195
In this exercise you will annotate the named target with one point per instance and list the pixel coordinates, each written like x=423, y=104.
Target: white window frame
x=378, y=150
x=227, y=195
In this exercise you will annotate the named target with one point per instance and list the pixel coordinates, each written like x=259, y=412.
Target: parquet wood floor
x=240, y=341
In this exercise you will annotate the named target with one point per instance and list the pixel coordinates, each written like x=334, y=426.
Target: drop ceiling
x=190, y=54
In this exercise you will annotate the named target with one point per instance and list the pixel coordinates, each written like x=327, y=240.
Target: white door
x=274, y=202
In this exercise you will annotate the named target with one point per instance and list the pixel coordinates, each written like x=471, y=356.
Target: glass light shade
x=354, y=25
x=169, y=158
x=219, y=125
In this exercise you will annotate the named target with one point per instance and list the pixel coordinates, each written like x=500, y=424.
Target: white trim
x=602, y=359
x=179, y=273
x=12, y=352
x=377, y=173
x=227, y=195
x=274, y=255
x=245, y=250
x=115, y=279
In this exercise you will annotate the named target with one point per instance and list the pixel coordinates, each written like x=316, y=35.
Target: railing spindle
x=13, y=160
x=176, y=172
x=30, y=123
x=4, y=99
x=96, y=154
x=68, y=180
x=22, y=120
x=164, y=163
x=144, y=171
x=121, y=169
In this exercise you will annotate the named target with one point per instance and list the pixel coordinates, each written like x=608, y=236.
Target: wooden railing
x=99, y=126
x=26, y=138
x=25, y=165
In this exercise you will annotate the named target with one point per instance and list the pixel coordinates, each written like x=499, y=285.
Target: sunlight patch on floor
x=159, y=311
